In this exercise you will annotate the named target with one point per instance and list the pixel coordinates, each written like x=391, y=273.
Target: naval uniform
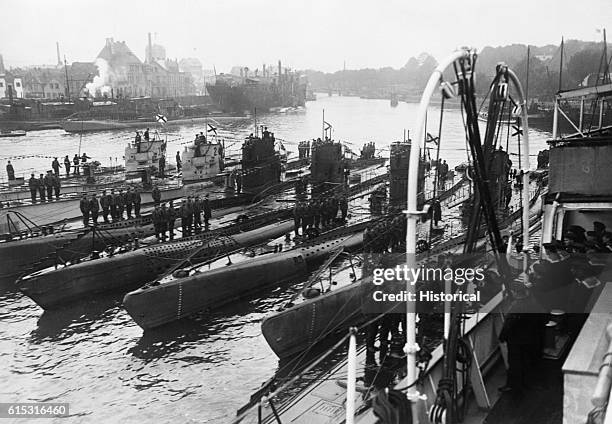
x=33, y=184
x=137, y=200
x=207, y=211
x=105, y=202
x=94, y=208
x=84, y=206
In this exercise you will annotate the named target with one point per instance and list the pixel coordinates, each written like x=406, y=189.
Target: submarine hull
x=154, y=306
x=131, y=269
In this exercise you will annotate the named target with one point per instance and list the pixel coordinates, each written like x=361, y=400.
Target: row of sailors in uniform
x=111, y=204
x=316, y=212
x=368, y=151
x=304, y=149
x=384, y=235
x=191, y=212
x=45, y=186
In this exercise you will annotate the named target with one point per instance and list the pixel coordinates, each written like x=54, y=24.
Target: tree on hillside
x=582, y=64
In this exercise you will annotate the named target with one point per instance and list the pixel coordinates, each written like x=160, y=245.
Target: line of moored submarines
x=162, y=301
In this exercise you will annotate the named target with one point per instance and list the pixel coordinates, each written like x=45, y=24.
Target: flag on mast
x=211, y=129
x=432, y=139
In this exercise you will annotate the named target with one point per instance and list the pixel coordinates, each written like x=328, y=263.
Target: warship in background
x=251, y=91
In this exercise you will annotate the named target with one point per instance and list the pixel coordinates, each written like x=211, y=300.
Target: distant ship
x=394, y=101
x=115, y=114
x=237, y=94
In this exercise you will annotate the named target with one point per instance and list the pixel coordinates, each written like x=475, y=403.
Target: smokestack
x=264, y=70
x=1, y=65
x=109, y=44
x=59, y=60
x=279, y=71
x=150, y=55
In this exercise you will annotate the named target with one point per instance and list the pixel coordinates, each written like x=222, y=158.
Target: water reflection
x=76, y=318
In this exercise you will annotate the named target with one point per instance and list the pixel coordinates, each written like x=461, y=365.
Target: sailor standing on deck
x=113, y=206
x=157, y=218
x=137, y=201
x=49, y=185
x=10, y=171
x=316, y=212
x=75, y=161
x=436, y=212
x=306, y=218
x=163, y=221
x=33, y=184
x=297, y=217
x=120, y=203
x=523, y=333
x=56, y=166
x=238, y=182
x=186, y=215
x=207, y=210
x=129, y=202
x=197, y=214
x=56, y=186
x=178, y=162
x=146, y=135
x=41, y=188
x=344, y=207
x=84, y=206
x=94, y=208
x=118, y=206
x=105, y=202
x=162, y=166
x=170, y=218
x=67, y=165
x=156, y=195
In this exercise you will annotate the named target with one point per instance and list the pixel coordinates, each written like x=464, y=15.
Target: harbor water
x=201, y=369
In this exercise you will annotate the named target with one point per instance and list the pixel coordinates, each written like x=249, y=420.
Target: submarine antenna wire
x=522, y=102
x=411, y=348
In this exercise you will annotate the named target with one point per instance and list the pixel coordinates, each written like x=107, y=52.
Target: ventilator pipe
x=351, y=377
x=411, y=347
x=522, y=103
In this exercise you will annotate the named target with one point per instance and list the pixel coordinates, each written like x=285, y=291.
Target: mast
x=255, y=118
x=67, y=82
x=323, y=127
x=561, y=66
x=527, y=78
x=59, y=58
x=606, y=70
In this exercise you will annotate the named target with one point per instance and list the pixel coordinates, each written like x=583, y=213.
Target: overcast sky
x=315, y=34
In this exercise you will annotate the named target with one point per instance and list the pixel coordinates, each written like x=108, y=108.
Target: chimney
x=279, y=71
x=1, y=65
x=150, y=55
x=109, y=44
x=59, y=60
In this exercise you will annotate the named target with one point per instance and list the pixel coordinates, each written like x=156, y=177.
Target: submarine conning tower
x=327, y=164
x=398, y=169
x=261, y=166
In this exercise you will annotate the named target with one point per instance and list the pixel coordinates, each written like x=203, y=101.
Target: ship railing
x=598, y=94
x=602, y=395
